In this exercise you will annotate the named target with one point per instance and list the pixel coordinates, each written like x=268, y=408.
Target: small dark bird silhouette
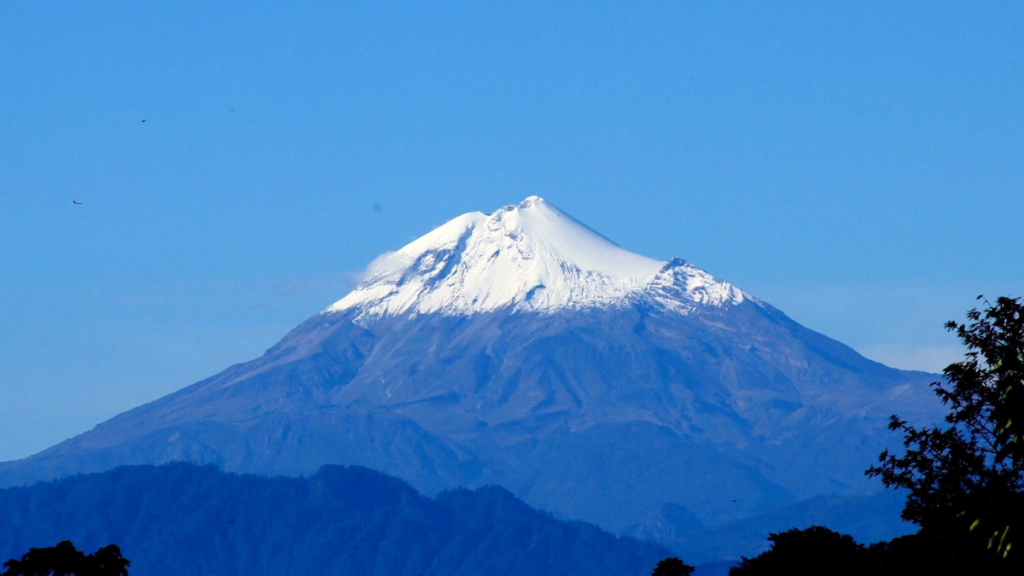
x=143, y=120
x=76, y=203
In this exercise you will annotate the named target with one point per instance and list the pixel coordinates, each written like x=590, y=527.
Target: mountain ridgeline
x=525, y=350
x=183, y=519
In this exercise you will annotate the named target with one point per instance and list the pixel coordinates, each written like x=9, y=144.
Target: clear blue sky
x=859, y=166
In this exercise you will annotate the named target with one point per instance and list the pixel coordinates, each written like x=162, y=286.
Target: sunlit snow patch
x=527, y=256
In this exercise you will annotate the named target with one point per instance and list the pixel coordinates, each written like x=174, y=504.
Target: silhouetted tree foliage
x=818, y=550
x=966, y=480
x=66, y=560
x=814, y=551
x=672, y=567
x=995, y=338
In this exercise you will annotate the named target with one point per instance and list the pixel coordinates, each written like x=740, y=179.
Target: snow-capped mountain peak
x=528, y=256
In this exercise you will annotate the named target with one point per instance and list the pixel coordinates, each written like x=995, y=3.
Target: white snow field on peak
x=529, y=256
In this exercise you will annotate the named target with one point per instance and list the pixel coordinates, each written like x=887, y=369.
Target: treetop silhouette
x=66, y=560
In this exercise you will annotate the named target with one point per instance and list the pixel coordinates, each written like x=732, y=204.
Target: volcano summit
x=523, y=349
x=526, y=257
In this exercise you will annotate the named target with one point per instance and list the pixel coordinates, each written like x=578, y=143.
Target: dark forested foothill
x=181, y=519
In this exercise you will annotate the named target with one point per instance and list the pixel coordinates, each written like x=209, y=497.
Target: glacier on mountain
x=526, y=256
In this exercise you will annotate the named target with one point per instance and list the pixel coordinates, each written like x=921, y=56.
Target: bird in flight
x=76, y=202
